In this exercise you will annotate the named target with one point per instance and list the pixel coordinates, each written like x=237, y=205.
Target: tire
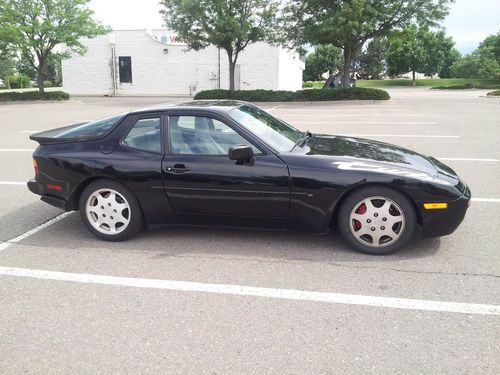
x=376, y=220
x=110, y=211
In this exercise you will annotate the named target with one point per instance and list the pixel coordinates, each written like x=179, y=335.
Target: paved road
x=54, y=326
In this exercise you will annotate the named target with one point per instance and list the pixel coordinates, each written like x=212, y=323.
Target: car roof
x=217, y=105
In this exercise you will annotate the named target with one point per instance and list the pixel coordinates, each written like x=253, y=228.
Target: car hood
x=369, y=150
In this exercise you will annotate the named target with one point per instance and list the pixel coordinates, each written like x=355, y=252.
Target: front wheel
x=110, y=211
x=376, y=220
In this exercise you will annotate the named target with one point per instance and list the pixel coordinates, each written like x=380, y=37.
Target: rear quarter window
x=93, y=129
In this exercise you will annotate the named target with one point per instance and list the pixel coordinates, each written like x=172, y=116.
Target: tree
x=230, y=25
x=372, y=61
x=490, y=47
x=474, y=67
x=418, y=50
x=34, y=28
x=7, y=67
x=450, y=58
x=348, y=24
x=325, y=58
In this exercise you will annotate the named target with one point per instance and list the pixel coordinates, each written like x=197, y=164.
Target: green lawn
x=447, y=82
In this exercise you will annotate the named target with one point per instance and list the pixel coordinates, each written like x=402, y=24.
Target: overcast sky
x=469, y=21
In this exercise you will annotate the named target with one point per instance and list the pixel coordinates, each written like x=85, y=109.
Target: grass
x=458, y=83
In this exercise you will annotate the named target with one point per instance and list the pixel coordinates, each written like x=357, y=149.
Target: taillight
x=35, y=166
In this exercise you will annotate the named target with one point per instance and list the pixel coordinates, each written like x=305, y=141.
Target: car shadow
x=234, y=242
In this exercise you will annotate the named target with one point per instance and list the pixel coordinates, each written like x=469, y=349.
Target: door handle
x=178, y=168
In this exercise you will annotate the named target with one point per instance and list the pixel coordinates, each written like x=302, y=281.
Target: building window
x=125, y=63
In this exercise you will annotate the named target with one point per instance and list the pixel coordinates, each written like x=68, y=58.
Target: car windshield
x=275, y=132
x=94, y=129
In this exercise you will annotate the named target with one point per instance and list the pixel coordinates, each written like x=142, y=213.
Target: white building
x=157, y=62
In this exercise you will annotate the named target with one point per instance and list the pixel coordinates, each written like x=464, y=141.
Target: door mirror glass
x=243, y=154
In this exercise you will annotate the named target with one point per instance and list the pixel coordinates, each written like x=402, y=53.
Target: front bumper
x=41, y=189
x=444, y=222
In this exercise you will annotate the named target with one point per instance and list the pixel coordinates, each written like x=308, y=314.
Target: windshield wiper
x=304, y=140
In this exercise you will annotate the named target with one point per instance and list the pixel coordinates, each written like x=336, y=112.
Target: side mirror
x=243, y=154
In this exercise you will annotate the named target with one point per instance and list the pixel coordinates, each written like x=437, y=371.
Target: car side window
x=145, y=135
x=198, y=135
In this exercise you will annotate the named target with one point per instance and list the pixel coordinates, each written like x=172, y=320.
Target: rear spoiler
x=51, y=136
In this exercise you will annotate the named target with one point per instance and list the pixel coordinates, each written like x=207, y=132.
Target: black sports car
x=231, y=163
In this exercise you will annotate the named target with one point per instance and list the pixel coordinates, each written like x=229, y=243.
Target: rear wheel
x=110, y=211
x=376, y=220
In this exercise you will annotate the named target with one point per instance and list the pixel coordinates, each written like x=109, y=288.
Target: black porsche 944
x=231, y=163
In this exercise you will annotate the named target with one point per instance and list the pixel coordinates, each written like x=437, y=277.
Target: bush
x=354, y=93
x=48, y=84
x=32, y=95
x=17, y=81
x=307, y=85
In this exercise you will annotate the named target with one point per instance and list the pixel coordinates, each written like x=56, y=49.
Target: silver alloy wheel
x=377, y=221
x=108, y=211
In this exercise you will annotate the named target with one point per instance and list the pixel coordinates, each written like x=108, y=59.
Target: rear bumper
x=444, y=222
x=40, y=189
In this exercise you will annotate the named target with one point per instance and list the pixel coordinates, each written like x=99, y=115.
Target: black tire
x=123, y=197
x=347, y=226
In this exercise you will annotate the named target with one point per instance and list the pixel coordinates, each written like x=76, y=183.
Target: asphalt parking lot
x=217, y=301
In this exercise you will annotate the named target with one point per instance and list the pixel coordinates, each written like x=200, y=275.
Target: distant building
x=157, y=62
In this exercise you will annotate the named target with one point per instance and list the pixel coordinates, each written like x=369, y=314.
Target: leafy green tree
x=230, y=25
x=452, y=56
x=7, y=67
x=372, y=61
x=325, y=58
x=34, y=28
x=474, y=67
x=349, y=24
x=418, y=50
x=490, y=47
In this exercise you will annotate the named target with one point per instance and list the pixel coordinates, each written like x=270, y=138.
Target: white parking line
x=489, y=200
x=467, y=159
x=8, y=243
x=400, y=135
x=335, y=122
x=242, y=290
x=16, y=150
x=12, y=183
x=272, y=109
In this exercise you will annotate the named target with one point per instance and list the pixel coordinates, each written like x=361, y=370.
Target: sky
x=469, y=21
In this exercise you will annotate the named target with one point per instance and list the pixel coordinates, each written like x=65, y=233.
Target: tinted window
x=92, y=130
x=271, y=130
x=145, y=135
x=203, y=136
x=125, y=65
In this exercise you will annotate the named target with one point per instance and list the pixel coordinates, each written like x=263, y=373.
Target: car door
x=199, y=177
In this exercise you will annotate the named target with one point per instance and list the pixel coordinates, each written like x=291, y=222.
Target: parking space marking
x=8, y=243
x=467, y=159
x=16, y=150
x=12, y=183
x=367, y=122
x=489, y=200
x=273, y=108
x=243, y=290
x=400, y=135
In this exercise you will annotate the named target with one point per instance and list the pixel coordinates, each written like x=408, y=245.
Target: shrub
x=306, y=85
x=32, y=95
x=17, y=81
x=48, y=84
x=355, y=93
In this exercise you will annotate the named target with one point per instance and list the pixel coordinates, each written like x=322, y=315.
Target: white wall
x=160, y=69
